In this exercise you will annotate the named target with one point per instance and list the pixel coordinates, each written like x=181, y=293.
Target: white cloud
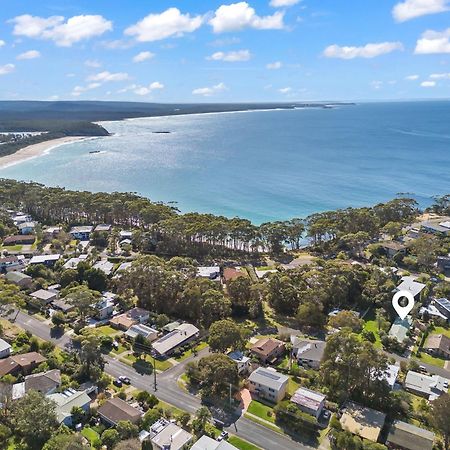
x=366, y=51
x=105, y=76
x=30, y=54
x=143, y=56
x=64, y=34
x=208, y=91
x=2, y=43
x=170, y=23
x=156, y=85
x=410, y=9
x=236, y=56
x=412, y=77
x=285, y=90
x=274, y=66
x=428, y=84
x=376, y=84
x=142, y=90
x=433, y=42
x=117, y=44
x=93, y=63
x=283, y=3
x=7, y=68
x=238, y=16
x=440, y=76
x=78, y=90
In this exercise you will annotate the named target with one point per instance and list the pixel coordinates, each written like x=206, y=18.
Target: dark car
x=117, y=382
x=125, y=380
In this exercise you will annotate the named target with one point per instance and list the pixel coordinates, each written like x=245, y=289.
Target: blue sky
x=195, y=51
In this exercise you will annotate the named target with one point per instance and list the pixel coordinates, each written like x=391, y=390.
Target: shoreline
x=36, y=150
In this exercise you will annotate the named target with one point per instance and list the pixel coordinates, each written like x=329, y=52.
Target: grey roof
x=430, y=385
x=141, y=330
x=4, y=345
x=400, y=328
x=410, y=437
x=175, y=338
x=164, y=433
x=16, y=277
x=66, y=400
x=268, y=377
x=82, y=229
x=103, y=227
x=44, y=295
x=410, y=284
x=444, y=303
x=308, y=349
x=105, y=266
x=43, y=382
x=207, y=443
x=44, y=258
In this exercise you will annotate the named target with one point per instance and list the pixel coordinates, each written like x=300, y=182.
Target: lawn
x=90, y=434
x=160, y=365
x=189, y=352
x=370, y=324
x=428, y=359
x=262, y=411
x=241, y=444
x=11, y=248
x=292, y=386
x=442, y=330
x=168, y=407
x=106, y=330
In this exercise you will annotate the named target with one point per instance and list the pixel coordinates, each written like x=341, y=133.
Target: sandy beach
x=35, y=150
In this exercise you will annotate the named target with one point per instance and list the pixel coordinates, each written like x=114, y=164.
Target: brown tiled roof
x=266, y=346
x=26, y=359
x=19, y=238
x=230, y=273
x=114, y=410
x=7, y=365
x=438, y=342
x=43, y=382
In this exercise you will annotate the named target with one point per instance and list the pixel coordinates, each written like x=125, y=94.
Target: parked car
x=222, y=436
x=117, y=382
x=124, y=379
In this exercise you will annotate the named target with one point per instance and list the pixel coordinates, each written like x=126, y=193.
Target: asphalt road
x=168, y=390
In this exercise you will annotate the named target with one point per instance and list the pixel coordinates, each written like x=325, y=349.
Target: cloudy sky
x=192, y=50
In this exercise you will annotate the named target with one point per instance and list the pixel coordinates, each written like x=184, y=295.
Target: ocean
x=263, y=165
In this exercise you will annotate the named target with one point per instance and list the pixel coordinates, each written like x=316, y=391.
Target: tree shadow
x=143, y=367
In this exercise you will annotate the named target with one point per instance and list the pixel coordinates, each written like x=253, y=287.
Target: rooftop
x=410, y=437
x=207, y=443
x=114, y=410
x=176, y=337
x=310, y=399
x=308, y=349
x=410, y=284
x=365, y=422
x=268, y=377
x=164, y=433
x=430, y=385
x=67, y=400
x=400, y=328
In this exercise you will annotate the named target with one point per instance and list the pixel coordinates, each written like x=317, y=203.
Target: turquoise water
x=264, y=165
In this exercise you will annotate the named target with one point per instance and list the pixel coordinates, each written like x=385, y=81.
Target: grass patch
x=261, y=410
x=292, y=385
x=371, y=324
x=160, y=365
x=11, y=248
x=106, y=330
x=428, y=359
x=190, y=352
x=270, y=426
x=168, y=407
x=119, y=351
x=441, y=330
x=241, y=444
x=90, y=434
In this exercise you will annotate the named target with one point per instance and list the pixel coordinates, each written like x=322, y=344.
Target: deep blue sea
x=264, y=165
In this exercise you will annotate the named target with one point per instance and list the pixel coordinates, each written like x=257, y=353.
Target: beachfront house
x=268, y=384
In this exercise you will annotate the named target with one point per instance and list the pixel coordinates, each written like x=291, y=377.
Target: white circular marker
x=403, y=311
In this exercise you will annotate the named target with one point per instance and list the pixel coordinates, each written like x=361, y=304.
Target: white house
x=5, y=349
x=244, y=363
x=141, y=330
x=81, y=233
x=166, y=435
x=268, y=384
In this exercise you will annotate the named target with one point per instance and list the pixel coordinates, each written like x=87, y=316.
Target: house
x=21, y=218
x=438, y=345
x=5, y=349
x=268, y=384
x=439, y=226
x=443, y=263
x=443, y=305
x=114, y=410
x=51, y=232
x=268, y=350
x=66, y=401
x=45, y=382
x=181, y=335
x=141, y=330
x=309, y=353
x=211, y=272
x=72, y=263
x=125, y=234
x=364, y=422
x=390, y=375
x=392, y=248
x=105, y=266
x=43, y=296
x=81, y=233
x=8, y=367
x=19, y=239
x=132, y=317
x=231, y=273
x=400, y=328
x=123, y=267
x=11, y=263
x=432, y=311
x=26, y=228
x=46, y=260
x=409, y=283
x=104, y=309
x=207, y=443
x=63, y=306
x=428, y=386
x=309, y=401
x=19, y=279
x=24, y=363
x=405, y=436
x=166, y=435
x=168, y=328
x=244, y=363
x=103, y=228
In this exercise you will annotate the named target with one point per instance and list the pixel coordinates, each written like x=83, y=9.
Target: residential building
x=443, y=305
x=104, y=308
x=409, y=283
x=8, y=367
x=23, y=363
x=72, y=263
x=141, y=330
x=11, y=263
x=443, y=263
x=52, y=231
x=19, y=279
x=400, y=328
x=438, y=345
x=132, y=317
x=181, y=335
x=114, y=410
x=43, y=296
x=44, y=382
x=166, y=435
x=364, y=422
x=268, y=350
x=391, y=375
x=309, y=353
x=46, y=260
x=5, y=349
x=405, y=436
x=19, y=239
x=21, y=218
x=207, y=443
x=62, y=305
x=231, y=273
x=428, y=386
x=81, y=233
x=309, y=401
x=211, y=272
x=244, y=363
x=26, y=228
x=172, y=326
x=103, y=227
x=125, y=234
x=439, y=226
x=66, y=401
x=268, y=384
x=393, y=248
x=105, y=266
